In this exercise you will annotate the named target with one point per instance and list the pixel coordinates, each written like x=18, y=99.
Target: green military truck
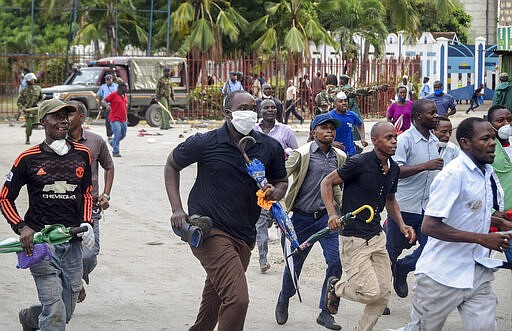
x=141, y=74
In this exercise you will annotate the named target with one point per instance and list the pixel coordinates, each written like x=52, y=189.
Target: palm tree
x=98, y=23
x=402, y=14
x=289, y=26
x=201, y=24
x=363, y=18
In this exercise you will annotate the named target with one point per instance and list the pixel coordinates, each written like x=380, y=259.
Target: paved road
x=147, y=279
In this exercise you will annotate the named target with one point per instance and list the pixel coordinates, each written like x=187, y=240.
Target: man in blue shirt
x=232, y=85
x=344, y=138
x=444, y=102
x=105, y=89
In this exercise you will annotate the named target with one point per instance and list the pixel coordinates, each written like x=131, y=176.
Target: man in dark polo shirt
x=368, y=179
x=225, y=192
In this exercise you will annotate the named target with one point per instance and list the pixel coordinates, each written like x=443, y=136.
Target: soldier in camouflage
x=27, y=102
x=326, y=97
x=352, y=102
x=165, y=93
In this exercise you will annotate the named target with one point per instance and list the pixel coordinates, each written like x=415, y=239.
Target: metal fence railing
x=206, y=78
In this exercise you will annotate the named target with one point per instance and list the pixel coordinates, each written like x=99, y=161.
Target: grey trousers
x=262, y=235
x=433, y=302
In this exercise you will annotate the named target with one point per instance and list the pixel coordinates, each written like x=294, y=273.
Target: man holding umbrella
x=307, y=166
x=369, y=178
x=57, y=173
x=226, y=193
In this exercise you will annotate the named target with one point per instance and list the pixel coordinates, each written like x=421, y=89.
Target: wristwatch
x=106, y=196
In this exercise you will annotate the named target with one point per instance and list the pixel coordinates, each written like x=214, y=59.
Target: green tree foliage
x=457, y=20
x=289, y=25
x=404, y=15
x=201, y=25
x=363, y=18
x=15, y=22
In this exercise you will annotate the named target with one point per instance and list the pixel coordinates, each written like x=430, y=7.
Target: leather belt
x=316, y=214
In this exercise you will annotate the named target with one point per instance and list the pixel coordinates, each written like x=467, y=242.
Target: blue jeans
x=58, y=282
x=304, y=227
x=119, y=130
x=89, y=256
x=396, y=242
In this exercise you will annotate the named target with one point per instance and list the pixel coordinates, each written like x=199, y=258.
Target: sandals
x=332, y=302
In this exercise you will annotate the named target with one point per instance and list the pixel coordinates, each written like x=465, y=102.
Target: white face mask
x=442, y=144
x=244, y=121
x=505, y=131
x=59, y=146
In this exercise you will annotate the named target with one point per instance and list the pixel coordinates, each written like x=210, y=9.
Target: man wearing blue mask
x=445, y=103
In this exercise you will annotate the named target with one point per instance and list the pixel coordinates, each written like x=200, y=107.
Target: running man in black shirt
x=58, y=178
x=225, y=192
x=368, y=179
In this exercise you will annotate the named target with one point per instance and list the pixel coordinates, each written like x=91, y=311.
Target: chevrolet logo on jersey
x=59, y=189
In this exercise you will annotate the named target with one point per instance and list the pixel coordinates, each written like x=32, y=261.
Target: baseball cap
x=167, y=69
x=322, y=118
x=405, y=77
x=502, y=75
x=347, y=77
x=53, y=106
x=109, y=77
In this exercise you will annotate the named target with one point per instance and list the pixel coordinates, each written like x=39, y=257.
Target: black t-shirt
x=365, y=184
x=223, y=189
x=59, y=188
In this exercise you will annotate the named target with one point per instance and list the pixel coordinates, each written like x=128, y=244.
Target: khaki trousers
x=225, y=293
x=366, y=277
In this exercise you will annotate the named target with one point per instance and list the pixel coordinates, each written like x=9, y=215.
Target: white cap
x=405, y=77
x=30, y=76
x=341, y=95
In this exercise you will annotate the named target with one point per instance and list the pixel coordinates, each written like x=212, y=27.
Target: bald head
x=380, y=128
x=384, y=139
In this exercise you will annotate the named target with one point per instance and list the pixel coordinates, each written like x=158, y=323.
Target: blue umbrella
x=256, y=169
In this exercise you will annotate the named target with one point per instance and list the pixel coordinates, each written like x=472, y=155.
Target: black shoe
x=326, y=319
x=282, y=311
x=23, y=320
x=27, y=142
x=400, y=283
x=386, y=311
x=116, y=155
x=467, y=111
x=301, y=121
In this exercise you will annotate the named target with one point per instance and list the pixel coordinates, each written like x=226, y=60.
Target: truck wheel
x=154, y=115
x=133, y=120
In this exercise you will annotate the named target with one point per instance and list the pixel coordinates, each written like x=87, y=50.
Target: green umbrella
x=342, y=220
x=52, y=234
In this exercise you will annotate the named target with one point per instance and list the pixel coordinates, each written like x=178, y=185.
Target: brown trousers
x=225, y=293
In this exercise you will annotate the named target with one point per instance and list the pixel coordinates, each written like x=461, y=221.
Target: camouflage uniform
x=325, y=96
x=29, y=97
x=165, y=93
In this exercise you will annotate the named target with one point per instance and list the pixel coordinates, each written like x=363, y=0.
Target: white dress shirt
x=462, y=196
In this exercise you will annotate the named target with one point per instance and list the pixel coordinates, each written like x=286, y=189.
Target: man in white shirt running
x=454, y=270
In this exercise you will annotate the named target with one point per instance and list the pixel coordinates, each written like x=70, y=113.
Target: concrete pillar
x=479, y=61
x=442, y=43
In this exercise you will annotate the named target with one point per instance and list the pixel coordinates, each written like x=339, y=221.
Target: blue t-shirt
x=344, y=132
